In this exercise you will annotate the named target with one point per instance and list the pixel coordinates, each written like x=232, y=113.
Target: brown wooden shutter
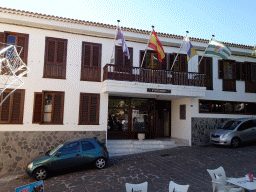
x=17, y=107
x=89, y=109
x=221, y=69
x=6, y=108
x=119, y=60
x=129, y=62
x=141, y=58
x=58, y=106
x=84, y=109
x=172, y=57
x=1, y=39
x=55, y=58
x=238, y=71
x=22, y=40
x=38, y=109
x=183, y=63
x=87, y=55
x=95, y=55
x=91, y=62
x=94, y=111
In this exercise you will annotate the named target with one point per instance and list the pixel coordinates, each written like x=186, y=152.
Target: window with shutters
x=48, y=107
x=205, y=67
x=250, y=79
x=55, y=58
x=20, y=40
x=11, y=111
x=89, y=109
x=123, y=64
x=227, y=72
x=151, y=60
x=91, y=62
x=181, y=63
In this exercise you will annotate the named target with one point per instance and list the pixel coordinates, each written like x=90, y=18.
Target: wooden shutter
x=58, y=105
x=221, y=69
x=89, y=109
x=1, y=39
x=38, y=109
x=55, y=58
x=144, y=64
x=18, y=106
x=91, y=62
x=119, y=60
x=22, y=40
x=183, y=63
x=6, y=108
x=11, y=111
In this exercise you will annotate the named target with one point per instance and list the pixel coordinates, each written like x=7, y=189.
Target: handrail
x=139, y=74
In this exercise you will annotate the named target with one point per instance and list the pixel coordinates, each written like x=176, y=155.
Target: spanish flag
x=155, y=44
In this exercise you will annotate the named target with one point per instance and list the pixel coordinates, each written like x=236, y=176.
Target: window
x=91, y=62
x=55, y=58
x=227, y=72
x=18, y=39
x=89, y=109
x=205, y=67
x=121, y=60
x=11, y=111
x=183, y=112
x=86, y=145
x=250, y=81
x=224, y=107
x=70, y=148
x=48, y=107
x=151, y=60
x=181, y=63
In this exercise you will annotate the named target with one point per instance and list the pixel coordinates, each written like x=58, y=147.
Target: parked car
x=75, y=152
x=234, y=132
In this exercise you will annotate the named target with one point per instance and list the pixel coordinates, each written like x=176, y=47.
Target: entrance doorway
x=163, y=117
x=129, y=116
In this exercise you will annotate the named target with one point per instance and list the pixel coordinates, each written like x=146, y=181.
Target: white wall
x=181, y=128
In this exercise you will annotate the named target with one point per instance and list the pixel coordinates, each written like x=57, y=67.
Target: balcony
x=138, y=74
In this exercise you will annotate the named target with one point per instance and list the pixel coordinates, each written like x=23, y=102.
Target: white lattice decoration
x=12, y=69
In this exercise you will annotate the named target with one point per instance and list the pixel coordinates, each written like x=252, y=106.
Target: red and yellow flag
x=155, y=44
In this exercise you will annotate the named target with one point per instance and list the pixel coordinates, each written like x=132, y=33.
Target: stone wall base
x=19, y=147
x=201, y=128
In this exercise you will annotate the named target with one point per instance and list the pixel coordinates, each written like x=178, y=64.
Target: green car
x=72, y=153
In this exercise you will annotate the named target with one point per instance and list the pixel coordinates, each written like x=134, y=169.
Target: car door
x=69, y=156
x=254, y=130
x=246, y=131
x=89, y=151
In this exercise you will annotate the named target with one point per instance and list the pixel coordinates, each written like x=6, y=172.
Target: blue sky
x=230, y=21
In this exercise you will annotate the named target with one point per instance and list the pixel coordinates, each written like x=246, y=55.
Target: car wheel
x=40, y=174
x=235, y=142
x=100, y=163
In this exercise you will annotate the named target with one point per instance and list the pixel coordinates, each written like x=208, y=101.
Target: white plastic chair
x=219, y=183
x=174, y=187
x=141, y=187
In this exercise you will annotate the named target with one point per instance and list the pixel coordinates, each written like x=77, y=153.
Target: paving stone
x=183, y=165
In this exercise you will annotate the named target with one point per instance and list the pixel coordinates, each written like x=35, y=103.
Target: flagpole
x=112, y=59
x=179, y=49
x=147, y=46
x=204, y=52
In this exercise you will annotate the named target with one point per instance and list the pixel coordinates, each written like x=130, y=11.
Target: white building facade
x=72, y=90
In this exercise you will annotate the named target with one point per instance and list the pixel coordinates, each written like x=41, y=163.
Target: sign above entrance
x=158, y=90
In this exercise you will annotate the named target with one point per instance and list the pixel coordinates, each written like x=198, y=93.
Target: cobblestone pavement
x=183, y=165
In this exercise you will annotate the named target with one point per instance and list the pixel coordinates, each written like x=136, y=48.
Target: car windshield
x=55, y=149
x=230, y=125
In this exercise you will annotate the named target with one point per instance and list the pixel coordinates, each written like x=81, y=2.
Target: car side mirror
x=58, y=154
